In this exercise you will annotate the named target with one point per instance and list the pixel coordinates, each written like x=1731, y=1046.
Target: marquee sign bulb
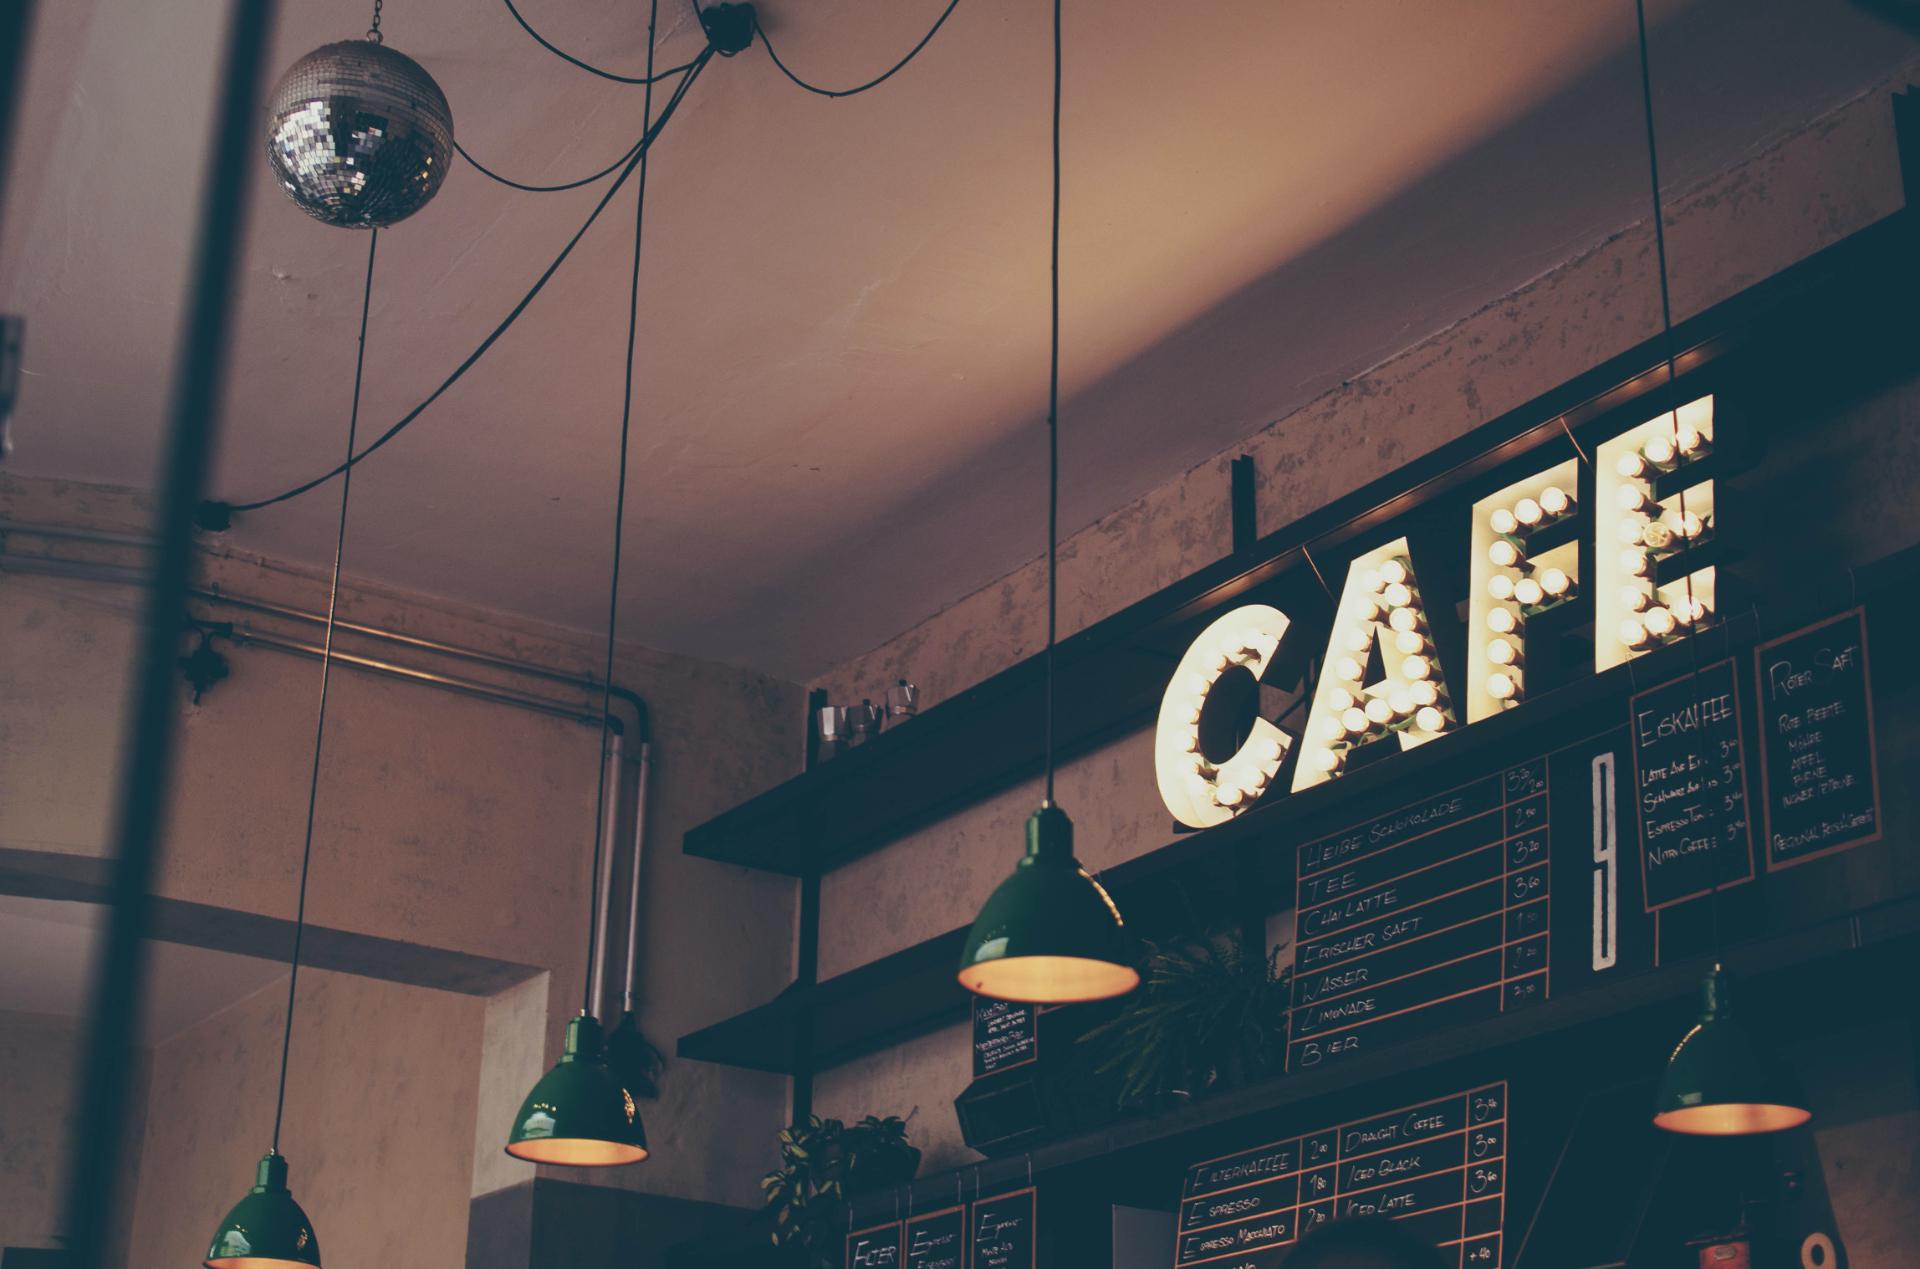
x=1527, y=511
x=1423, y=692
x=1500, y=652
x=1339, y=698
x=1503, y=553
x=1555, y=582
x=1555, y=501
x=1633, y=632
x=1404, y=619
x=1633, y=561
x=1430, y=719
x=1400, y=702
x=1348, y=669
x=1394, y=572
x=1630, y=529
x=1500, y=586
x=1355, y=721
x=1500, y=687
x=1416, y=667
x=1658, y=449
x=1503, y=521
x=1528, y=592
x=1378, y=711
x=1658, y=621
x=1691, y=440
x=1631, y=466
x=1409, y=642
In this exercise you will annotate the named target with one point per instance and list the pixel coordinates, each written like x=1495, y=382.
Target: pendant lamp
x=266, y=1227
x=1717, y=1084
x=1050, y=934
x=580, y=1115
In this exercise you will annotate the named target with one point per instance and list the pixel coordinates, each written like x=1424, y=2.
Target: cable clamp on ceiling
x=729, y=27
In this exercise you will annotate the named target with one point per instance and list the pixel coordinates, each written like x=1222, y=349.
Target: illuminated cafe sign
x=1533, y=548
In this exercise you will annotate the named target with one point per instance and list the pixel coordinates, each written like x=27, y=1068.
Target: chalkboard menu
x=937, y=1240
x=1819, y=779
x=1440, y=1167
x=876, y=1248
x=1001, y=1232
x=1429, y=916
x=1005, y=1035
x=1690, y=784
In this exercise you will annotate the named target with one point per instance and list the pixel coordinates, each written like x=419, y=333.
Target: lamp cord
x=588, y=1003
x=326, y=679
x=1053, y=412
x=218, y=511
x=876, y=81
x=649, y=78
x=1694, y=617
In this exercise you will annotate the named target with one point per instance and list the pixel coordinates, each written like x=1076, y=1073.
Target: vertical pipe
x=94, y=1177
x=631, y=994
x=613, y=759
x=806, y=973
x=16, y=29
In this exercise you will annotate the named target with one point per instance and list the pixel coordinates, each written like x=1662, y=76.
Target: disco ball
x=359, y=135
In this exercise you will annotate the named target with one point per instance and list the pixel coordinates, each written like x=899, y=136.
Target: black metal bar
x=1246, y=519
x=95, y=1174
x=806, y=973
x=1906, y=132
x=816, y=701
x=16, y=29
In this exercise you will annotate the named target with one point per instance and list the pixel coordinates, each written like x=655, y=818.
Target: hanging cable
x=490, y=174
x=876, y=81
x=619, y=525
x=217, y=515
x=326, y=677
x=1053, y=404
x=649, y=78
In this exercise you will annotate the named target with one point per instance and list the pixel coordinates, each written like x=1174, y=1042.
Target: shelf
x=1111, y=675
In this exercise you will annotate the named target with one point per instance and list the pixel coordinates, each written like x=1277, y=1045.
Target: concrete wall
x=1805, y=192
x=445, y=823
x=37, y=1069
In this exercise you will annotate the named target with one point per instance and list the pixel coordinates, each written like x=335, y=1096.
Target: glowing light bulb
x=1354, y=720
x=1504, y=553
x=1269, y=751
x=1658, y=449
x=1686, y=524
x=1331, y=728
x=1501, y=652
x=1423, y=692
x=1430, y=719
x=1359, y=639
x=1394, y=571
x=1528, y=592
x=1197, y=684
x=1691, y=440
x=1527, y=511
x=1555, y=582
x=1629, y=529
x=1366, y=610
x=1416, y=667
x=1555, y=501
x=1339, y=698
x=1378, y=711
x=1397, y=595
x=1404, y=619
x=1694, y=608
x=1189, y=715
x=1192, y=744
x=1630, y=497
x=1400, y=702
x=1657, y=535
x=1633, y=599
x=1658, y=621
x=1502, y=621
x=1409, y=642
x=1631, y=560
x=1229, y=795
x=1632, y=632
x=1198, y=786
x=1327, y=760
x=1501, y=687
x=1371, y=581
x=1501, y=520
x=1349, y=669
x=1631, y=465
x=1500, y=586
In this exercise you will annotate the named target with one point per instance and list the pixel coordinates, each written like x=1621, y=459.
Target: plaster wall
x=1801, y=193
x=450, y=823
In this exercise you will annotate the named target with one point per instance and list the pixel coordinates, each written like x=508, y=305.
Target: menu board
x=937, y=1240
x=1005, y=1035
x=1440, y=1167
x=1819, y=778
x=1001, y=1233
x=876, y=1248
x=1429, y=916
x=1690, y=785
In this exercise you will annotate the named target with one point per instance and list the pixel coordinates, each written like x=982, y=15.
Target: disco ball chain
x=373, y=32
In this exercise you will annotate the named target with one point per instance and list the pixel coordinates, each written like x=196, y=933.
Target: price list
x=1440, y=1167
x=1432, y=915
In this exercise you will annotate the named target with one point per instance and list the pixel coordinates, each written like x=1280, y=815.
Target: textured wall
x=36, y=1133
x=1796, y=196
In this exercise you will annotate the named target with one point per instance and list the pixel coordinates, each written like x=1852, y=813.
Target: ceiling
x=842, y=358
x=50, y=951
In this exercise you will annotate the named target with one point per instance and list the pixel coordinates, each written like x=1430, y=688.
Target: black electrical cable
x=588, y=1003
x=326, y=678
x=649, y=78
x=215, y=514
x=489, y=173
x=1053, y=410
x=876, y=81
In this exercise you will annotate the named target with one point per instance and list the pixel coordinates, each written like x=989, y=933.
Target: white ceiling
x=842, y=352
x=48, y=964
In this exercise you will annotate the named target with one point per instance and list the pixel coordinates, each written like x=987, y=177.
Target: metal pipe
x=609, y=826
x=64, y=534
x=632, y=993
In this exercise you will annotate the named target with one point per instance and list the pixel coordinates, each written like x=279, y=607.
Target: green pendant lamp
x=266, y=1227
x=580, y=1115
x=1050, y=934
x=1718, y=1084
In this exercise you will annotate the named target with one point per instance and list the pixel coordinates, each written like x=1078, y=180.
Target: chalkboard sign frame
x=1746, y=792
x=1032, y=1205
x=899, y=1243
x=1858, y=616
x=959, y=1214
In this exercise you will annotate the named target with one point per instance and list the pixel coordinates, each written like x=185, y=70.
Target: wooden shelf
x=1111, y=674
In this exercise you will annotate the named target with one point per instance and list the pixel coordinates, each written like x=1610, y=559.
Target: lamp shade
x=1049, y=934
x=578, y=1115
x=1717, y=1084
x=266, y=1227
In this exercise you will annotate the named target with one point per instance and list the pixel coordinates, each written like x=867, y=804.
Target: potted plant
x=823, y=1164
x=1210, y=1013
